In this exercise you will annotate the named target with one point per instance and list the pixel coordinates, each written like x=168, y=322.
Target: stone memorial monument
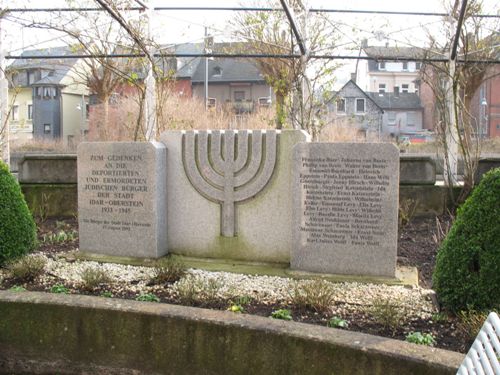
x=345, y=208
x=249, y=195
x=122, y=198
x=229, y=193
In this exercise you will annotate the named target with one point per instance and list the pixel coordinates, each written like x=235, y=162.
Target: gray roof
x=390, y=101
x=232, y=70
x=342, y=92
x=382, y=53
x=188, y=64
x=58, y=67
x=389, y=53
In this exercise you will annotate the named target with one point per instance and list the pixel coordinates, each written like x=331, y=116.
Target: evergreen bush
x=467, y=273
x=17, y=228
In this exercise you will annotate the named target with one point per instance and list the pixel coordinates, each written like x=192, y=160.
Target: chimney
x=353, y=77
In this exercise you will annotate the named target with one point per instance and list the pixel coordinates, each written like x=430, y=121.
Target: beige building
x=48, y=96
x=21, y=113
x=400, y=75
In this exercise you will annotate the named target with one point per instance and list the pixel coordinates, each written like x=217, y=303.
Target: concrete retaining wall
x=47, y=333
x=47, y=169
x=49, y=180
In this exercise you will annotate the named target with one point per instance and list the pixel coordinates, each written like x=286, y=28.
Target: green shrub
x=147, y=297
x=318, y=295
x=282, y=314
x=388, y=312
x=26, y=268
x=168, y=270
x=470, y=323
x=234, y=307
x=93, y=277
x=466, y=274
x=59, y=237
x=191, y=290
x=59, y=289
x=337, y=322
x=17, y=228
x=418, y=338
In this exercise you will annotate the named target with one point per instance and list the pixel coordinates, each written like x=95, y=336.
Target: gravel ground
x=126, y=279
x=354, y=302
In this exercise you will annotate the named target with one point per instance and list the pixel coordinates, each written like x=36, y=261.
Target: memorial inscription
x=118, y=182
x=346, y=208
x=118, y=189
x=342, y=202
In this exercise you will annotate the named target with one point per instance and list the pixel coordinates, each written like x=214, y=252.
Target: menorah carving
x=223, y=168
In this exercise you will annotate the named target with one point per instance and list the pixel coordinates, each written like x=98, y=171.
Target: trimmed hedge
x=17, y=227
x=467, y=273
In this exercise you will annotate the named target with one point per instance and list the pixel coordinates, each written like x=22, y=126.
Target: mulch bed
x=416, y=247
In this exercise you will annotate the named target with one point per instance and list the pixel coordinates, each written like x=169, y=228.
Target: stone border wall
x=57, y=190
x=45, y=333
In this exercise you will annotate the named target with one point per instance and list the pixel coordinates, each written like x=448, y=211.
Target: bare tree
x=296, y=81
x=99, y=35
x=454, y=87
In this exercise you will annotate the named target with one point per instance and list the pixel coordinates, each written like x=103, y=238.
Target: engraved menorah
x=223, y=168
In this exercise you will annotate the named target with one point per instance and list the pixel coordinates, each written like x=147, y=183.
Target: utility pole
x=4, y=98
x=207, y=50
x=150, y=83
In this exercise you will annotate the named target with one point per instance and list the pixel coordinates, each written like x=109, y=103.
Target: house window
x=46, y=128
x=381, y=88
x=405, y=65
x=418, y=65
x=391, y=118
x=381, y=65
x=265, y=101
x=340, y=105
x=360, y=105
x=37, y=91
x=396, y=90
x=411, y=119
x=31, y=77
x=15, y=113
x=211, y=102
x=30, y=111
x=217, y=71
x=239, y=96
x=405, y=87
x=49, y=92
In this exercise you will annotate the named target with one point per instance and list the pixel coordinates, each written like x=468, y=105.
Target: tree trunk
x=280, y=110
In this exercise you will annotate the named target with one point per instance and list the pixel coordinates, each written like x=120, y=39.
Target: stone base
x=404, y=275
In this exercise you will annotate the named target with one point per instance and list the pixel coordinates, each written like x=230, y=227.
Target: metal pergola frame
x=293, y=24
x=299, y=39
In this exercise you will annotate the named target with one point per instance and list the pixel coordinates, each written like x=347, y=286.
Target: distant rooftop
x=58, y=67
x=389, y=100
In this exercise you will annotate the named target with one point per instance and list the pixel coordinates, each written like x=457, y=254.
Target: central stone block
x=229, y=193
x=220, y=166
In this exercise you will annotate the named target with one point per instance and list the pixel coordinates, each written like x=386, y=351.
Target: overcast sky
x=188, y=26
